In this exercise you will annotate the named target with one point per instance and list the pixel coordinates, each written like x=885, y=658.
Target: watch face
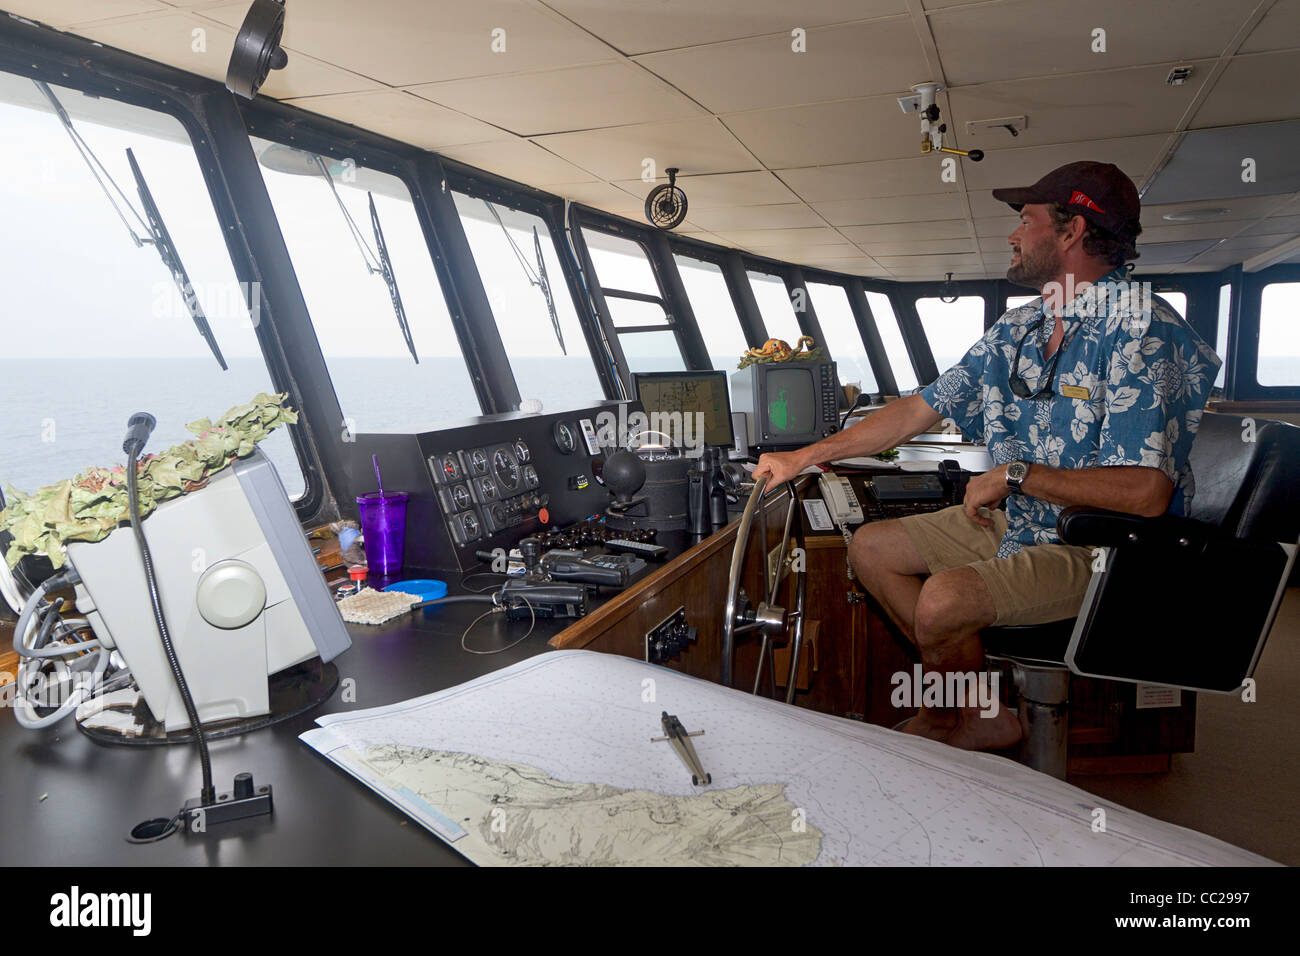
x=1016, y=471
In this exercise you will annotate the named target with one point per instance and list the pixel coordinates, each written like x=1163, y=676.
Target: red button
x=544, y=516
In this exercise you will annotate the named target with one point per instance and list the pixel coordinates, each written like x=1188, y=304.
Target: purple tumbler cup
x=383, y=524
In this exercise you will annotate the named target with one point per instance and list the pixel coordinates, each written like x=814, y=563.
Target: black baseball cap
x=1100, y=192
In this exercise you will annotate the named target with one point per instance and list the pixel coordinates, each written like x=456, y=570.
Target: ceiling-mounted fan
x=665, y=206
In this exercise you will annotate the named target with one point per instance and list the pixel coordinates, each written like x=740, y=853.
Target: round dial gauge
x=460, y=495
x=489, y=487
x=451, y=467
x=565, y=439
x=507, y=471
x=521, y=452
x=470, y=524
x=478, y=461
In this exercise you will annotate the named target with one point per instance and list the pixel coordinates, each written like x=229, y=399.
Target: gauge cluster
x=487, y=489
x=498, y=481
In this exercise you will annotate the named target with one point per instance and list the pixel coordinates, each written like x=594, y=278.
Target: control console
x=490, y=482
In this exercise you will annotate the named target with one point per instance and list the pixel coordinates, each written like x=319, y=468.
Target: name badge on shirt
x=1076, y=391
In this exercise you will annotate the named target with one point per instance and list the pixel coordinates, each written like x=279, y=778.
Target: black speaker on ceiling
x=257, y=48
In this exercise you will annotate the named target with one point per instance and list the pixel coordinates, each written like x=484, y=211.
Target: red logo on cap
x=1081, y=199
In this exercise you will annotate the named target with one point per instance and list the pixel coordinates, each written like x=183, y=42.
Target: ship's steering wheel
x=767, y=618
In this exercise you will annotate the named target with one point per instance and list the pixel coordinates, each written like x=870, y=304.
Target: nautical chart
x=550, y=761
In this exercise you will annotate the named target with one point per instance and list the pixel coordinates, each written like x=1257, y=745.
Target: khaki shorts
x=1043, y=582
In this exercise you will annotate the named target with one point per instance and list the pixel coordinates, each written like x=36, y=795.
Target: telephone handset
x=840, y=500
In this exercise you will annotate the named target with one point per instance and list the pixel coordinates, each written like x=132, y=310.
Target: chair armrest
x=1093, y=527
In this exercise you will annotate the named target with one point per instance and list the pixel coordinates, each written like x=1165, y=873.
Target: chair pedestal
x=1044, y=692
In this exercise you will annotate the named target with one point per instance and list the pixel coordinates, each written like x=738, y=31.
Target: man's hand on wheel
x=778, y=467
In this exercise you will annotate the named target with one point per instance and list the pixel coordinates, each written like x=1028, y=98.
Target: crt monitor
x=787, y=404
x=696, y=400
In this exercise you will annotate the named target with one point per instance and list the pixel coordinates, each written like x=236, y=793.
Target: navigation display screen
x=791, y=401
x=675, y=395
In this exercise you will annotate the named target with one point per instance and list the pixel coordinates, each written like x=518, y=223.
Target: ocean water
x=60, y=416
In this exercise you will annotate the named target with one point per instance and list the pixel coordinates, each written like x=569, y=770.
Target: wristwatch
x=1017, y=472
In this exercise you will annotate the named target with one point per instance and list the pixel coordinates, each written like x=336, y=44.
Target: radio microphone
x=138, y=429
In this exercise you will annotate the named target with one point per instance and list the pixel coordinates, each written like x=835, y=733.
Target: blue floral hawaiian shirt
x=1131, y=386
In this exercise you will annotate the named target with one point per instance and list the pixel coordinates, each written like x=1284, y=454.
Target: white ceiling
x=803, y=156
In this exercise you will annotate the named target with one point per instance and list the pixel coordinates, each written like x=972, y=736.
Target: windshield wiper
x=157, y=234
x=536, y=276
x=162, y=241
x=380, y=264
x=390, y=280
x=545, y=283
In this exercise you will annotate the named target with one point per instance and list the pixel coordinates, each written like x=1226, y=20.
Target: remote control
x=651, y=552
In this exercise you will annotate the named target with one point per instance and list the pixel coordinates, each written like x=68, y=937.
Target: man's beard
x=1036, y=268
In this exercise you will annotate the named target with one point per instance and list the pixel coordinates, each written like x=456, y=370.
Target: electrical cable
x=532, y=623
x=209, y=792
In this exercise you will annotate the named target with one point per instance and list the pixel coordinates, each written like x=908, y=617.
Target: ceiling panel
x=931, y=265
x=721, y=189
x=997, y=227
x=815, y=235
x=986, y=42
x=1177, y=232
x=170, y=38
x=775, y=216
x=909, y=231
x=1208, y=164
x=603, y=196
x=1276, y=225
x=694, y=146
x=1023, y=167
x=638, y=26
x=1240, y=208
x=1253, y=89
x=891, y=177
x=574, y=98
x=811, y=250
x=918, y=247
x=1069, y=109
x=859, y=59
x=520, y=160
x=63, y=13
x=405, y=42
x=859, y=265
x=404, y=117
x=1277, y=31
x=892, y=209
x=1167, y=253
x=849, y=131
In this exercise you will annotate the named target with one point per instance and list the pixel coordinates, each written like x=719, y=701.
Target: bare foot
x=936, y=725
x=976, y=732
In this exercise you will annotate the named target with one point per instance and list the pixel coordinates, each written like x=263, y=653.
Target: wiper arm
x=162, y=241
x=535, y=277
x=545, y=283
x=390, y=280
x=379, y=264
x=157, y=236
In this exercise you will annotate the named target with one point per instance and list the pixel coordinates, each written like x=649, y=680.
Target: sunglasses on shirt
x=1019, y=387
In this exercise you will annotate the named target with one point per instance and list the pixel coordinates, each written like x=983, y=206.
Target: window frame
x=210, y=120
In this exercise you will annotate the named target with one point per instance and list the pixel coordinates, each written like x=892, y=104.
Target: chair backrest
x=1247, y=475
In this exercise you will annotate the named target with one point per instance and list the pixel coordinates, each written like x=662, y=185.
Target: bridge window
x=323, y=205
x=636, y=306
x=775, y=306
x=1177, y=299
x=951, y=328
x=714, y=312
x=1221, y=332
x=843, y=340
x=95, y=328
x=1279, y=335
x=892, y=337
x=518, y=263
